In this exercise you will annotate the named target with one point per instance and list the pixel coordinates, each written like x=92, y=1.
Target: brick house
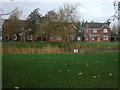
x=97, y=32
x=71, y=37
x=27, y=34
x=20, y=33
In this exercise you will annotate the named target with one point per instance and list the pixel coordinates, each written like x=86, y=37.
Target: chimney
x=108, y=23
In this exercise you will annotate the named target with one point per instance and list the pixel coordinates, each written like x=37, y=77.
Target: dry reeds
x=28, y=50
x=55, y=47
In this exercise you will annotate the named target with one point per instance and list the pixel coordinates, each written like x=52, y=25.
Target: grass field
x=98, y=70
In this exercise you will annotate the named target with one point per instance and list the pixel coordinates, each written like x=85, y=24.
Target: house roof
x=74, y=25
x=113, y=34
x=95, y=25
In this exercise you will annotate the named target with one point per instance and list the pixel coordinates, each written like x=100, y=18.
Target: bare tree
x=68, y=12
x=15, y=15
x=40, y=31
x=51, y=15
x=46, y=28
x=67, y=16
x=58, y=23
x=13, y=25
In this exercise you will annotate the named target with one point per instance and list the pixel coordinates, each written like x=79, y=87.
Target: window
x=79, y=30
x=30, y=37
x=93, y=38
x=0, y=37
x=94, y=31
x=71, y=37
x=105, y=37
x=51, y=37
x=105, y=30
x=59, y=38
x=29, y=29
x=86, y=38
x=14, y=37
x=78, y=38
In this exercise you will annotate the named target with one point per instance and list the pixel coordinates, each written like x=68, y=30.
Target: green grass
x=43, y=71
x=61, y=44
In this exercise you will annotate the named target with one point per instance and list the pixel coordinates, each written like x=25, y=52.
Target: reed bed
x=28, y=50
x=56, y=47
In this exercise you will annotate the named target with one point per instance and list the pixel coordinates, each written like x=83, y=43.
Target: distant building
x=97, y=32
x=27, y=34
x=84, y=32
x=113, y=36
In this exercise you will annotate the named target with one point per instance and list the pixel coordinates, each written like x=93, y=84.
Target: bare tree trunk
x=46, y=37
x=21, y=38
x=24, y=39
x=41, y=39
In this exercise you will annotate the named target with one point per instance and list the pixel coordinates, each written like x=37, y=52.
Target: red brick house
x=71, y=37
x=97, y=32
x=21, y=33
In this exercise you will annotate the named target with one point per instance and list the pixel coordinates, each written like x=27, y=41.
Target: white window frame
x=94, y=30
x=105, y=37
x=29, y=29
x=71, y=37
x=105, y=30
x=86, y=38
x=14, y=37
x=30, y=36
x=78, y=38
x=79, y=30
x=93, y=37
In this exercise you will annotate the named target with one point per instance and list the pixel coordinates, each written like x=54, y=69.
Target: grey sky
x=96, y=10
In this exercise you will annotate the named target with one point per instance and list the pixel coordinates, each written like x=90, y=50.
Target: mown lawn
x=98, y=70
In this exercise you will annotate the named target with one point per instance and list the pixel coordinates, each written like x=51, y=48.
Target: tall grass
x=28, y=50
x=55, y=47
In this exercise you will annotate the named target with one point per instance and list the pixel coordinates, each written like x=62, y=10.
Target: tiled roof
x=113, y=34
x=95, y=25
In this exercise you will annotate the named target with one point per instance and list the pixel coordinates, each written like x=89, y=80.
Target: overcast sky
x=90, y=10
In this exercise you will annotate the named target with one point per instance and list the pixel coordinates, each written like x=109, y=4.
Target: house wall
x=73, y=32
x=105, y=34
x=100, y=33
x=54, y=38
